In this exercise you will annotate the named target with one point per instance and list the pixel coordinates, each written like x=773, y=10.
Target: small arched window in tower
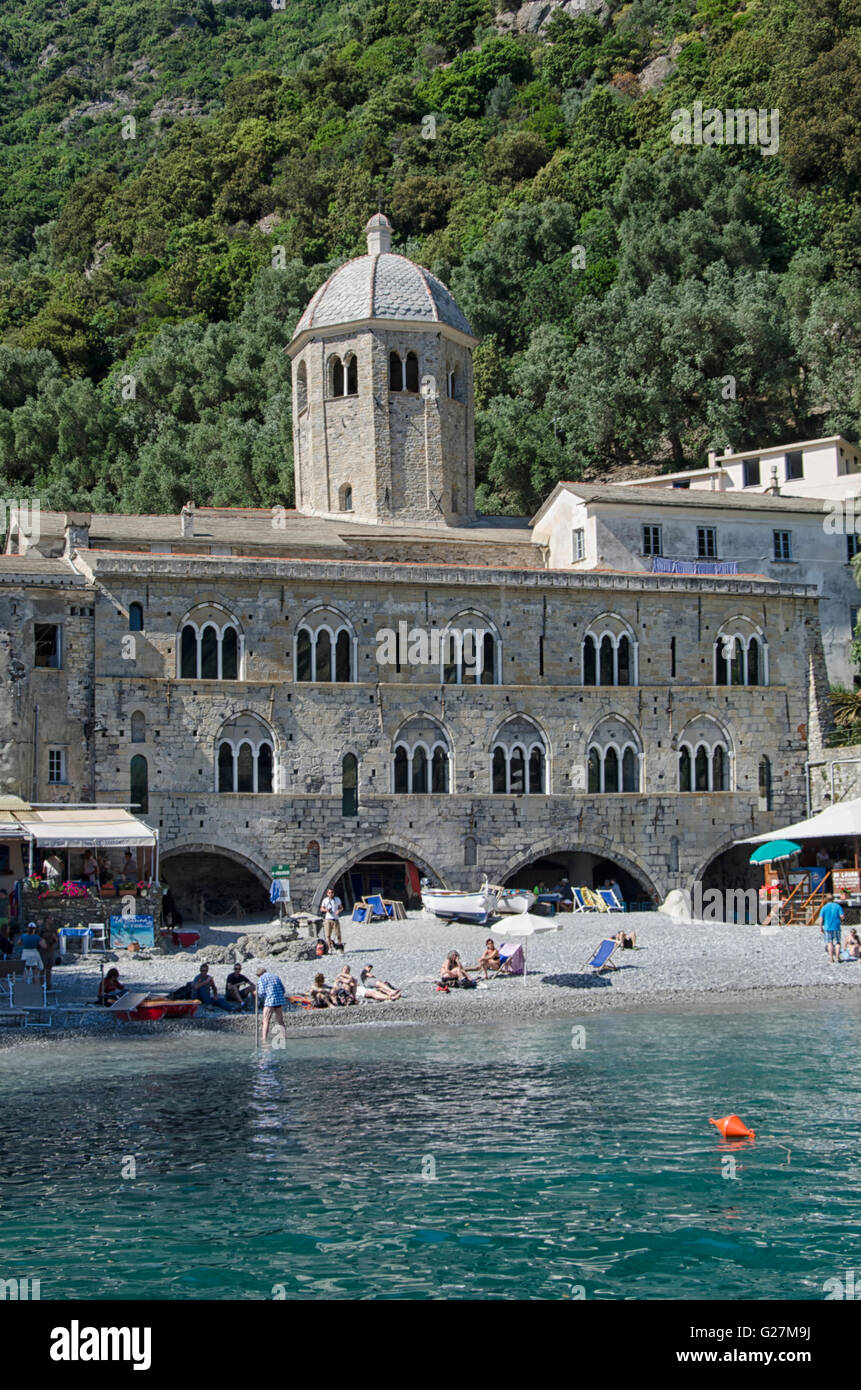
x=264, y=768
x=765, y=798
x=139, y=784
x=685, y=784
x=138, y=727
x=312, y=857
x=439, y=770
x=452, y=383
x=352, y=382
x=411, y=374
x=245, y=769
x=336, y=377
x=402, y=770
x=301, y=387
x=589, y=661
x=303, y=655
x=230, y=655
x=594, y=778
x=420, y=770
x=209, y=653
x=499, y=771
x=188, y=653
x=324, y=656
x=349, y=785
x=470, y=857
x=135, y=617
x=346, y=498
x=343, y=665
x=225, y=768
x=396, y=372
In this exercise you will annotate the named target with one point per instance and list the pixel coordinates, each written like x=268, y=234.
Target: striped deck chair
x=592, y=900
x=602, y=958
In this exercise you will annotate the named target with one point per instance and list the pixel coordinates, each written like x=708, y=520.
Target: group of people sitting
x=455, y=975
x=348, y=990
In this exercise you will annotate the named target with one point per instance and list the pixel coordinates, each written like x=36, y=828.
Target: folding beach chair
x=362, y=912
x=375, y=900
x=511, y=959
x=602, y=959
x=579, y=901
x=593, y=901
x=608, y=896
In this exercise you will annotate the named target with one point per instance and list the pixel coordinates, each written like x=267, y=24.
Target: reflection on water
x=403, y=1162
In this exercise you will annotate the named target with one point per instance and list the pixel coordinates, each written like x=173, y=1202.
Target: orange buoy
x=731, y=1127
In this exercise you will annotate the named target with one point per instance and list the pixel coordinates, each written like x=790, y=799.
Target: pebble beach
x=675, y=966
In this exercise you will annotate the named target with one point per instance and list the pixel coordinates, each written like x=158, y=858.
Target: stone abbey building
x=227, y=671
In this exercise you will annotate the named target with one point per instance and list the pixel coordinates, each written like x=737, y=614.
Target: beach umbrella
x=774, y=851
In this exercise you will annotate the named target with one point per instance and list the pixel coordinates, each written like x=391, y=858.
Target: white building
x=667, y=530
x=811, y=468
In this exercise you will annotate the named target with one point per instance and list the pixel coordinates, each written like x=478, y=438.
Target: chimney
x=186, y=521
x=712, y=458
x=76, y=532
x=773, y=488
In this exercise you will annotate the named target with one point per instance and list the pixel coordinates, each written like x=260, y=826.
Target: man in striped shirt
x=273, y=996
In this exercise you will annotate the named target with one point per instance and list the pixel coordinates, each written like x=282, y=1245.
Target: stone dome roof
x=381, y=285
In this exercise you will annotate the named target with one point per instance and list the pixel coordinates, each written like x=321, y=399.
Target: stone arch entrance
x=729, y=867
x=379, y=855
x=217, y=878
x=583, y=861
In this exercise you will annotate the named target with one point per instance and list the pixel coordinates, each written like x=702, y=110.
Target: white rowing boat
x=461, y=907
x=515, y=900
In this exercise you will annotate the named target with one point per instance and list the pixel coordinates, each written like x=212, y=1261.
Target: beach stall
x=81, y=905
x=830, y=844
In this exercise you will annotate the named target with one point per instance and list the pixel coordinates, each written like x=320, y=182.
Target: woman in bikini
x=489, y=958
x=852, y=945
x=454, y=974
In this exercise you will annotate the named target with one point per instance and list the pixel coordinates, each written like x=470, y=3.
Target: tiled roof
x=385, y=286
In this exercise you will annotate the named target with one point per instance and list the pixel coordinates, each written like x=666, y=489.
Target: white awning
x=105, y=829
x=838, y=821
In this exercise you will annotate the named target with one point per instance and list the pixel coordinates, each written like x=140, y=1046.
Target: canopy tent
x=840, y=822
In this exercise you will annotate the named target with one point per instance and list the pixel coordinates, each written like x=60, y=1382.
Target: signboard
x=280, y=871
x=280, y=890
x=125, y=930
x=847, y=881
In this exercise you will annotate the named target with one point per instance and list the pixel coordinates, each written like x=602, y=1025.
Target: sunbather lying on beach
x=852, y=946
x=453, y=974
x=628, y=942
x=371, y=988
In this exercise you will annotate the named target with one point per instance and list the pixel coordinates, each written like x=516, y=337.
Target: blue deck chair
x=375, y=900
x=602, y=959
x=609, y=897
x=580, y=904
x=361, y=913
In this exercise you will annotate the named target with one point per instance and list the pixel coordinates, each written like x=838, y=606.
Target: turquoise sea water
x=397, y=1162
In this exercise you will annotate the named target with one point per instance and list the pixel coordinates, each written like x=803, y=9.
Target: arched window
x=470, y=651
x=470, y=852
x=740, y=654
x=594, y=780
x=336, y=376
x=439, y=771
x=519, y=758
x=135, y=617
x=411, y=374
x=704, y=756
x=352, y=375
x=245, y=757
x=325, y=647
x=303, y=655
x=210, y=646
x=402, y=770
x=138, y=727
x=312, y=857
x=301, y=387
x=139, y=784
x=396, y=372
x=346, y=498
x=609, y=652
x=452, y=383
x=349, y=785
x=188, y=659
x=765, y=799
x=590, y=664
x=422, y=757
x=614, y=757
x=209, y=653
